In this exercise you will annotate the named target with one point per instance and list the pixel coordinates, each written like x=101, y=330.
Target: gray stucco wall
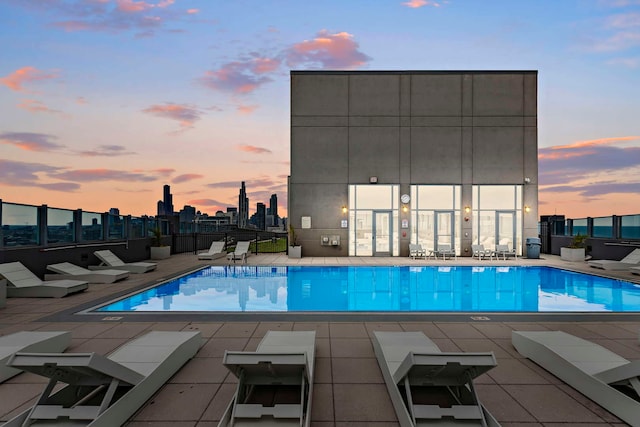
x=407, y=127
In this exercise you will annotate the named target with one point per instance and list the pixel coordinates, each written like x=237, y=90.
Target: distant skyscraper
x=261, y=216
x=165, y=206
x=273, y=209
x=243, y=207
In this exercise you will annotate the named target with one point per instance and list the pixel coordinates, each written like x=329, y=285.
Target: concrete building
x=382, y=159
x=243, y=207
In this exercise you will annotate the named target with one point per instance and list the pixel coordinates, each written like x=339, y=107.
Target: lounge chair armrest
x=444, y=368
x=75, y=368
x=620, y=373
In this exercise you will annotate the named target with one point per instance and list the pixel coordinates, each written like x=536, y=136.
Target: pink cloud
x=246, y=109
x=90, y=175
x=36, y=106
x=186, y=115
x=193, y=11
x=24, y=174
x=81, y=100
x=186, y=177
x=253, y=149
x=420, y=3
x=30, y=141
x=240, y=77
x=25, y=75
x=106, y=151
x=163, y=171
x=327, y=51
x=207, y=202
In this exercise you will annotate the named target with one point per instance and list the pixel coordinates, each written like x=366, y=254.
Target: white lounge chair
x=504, y=252
x=603, y=376
x=22, y=283
x=104, y=391
x=31, y=341
x=283, y=361
x=67, y=270
x=429, y=387
x=634, y=270
x=416, y=251
x=631, y=260
x=445, y=250
x=108, y=260
x=216, y=250
x=241, y=252
x=480, y=252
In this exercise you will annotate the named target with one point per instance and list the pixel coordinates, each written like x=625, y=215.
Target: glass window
x=60, y=228
x=115, y=227
x=19, y=225
x=579, y=226
x=630, y=227
x=436, y=197
x=497, y=197
x=91, y=226
x=137, y=228
x=603, y=227
x=374, y=197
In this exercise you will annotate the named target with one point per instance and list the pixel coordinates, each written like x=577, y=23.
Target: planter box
x=295, y=251
x=160, y=252
x=572, y=254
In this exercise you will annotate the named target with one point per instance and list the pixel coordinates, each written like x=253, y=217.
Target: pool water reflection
x=385, y=289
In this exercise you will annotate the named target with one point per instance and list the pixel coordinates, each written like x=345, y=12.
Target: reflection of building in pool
x=381, y=159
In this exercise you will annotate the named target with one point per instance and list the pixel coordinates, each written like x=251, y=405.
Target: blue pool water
x=385, y=289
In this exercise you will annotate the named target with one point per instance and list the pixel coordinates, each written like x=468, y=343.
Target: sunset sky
x=104, y=101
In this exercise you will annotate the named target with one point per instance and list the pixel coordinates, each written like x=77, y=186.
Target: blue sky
x=105, y=101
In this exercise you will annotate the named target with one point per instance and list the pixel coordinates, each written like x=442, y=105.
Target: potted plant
x=295, y=250
x=575, y=251
x=158, y=249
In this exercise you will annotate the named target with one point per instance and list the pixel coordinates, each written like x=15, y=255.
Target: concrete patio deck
x=349, y=389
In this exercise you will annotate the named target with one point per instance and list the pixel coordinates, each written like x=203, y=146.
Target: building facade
x=382, y=159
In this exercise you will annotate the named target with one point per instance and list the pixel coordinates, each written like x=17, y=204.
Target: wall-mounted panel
x=498, y=155
x=436, y=155
x=374, y=151
x=319, y=95
x=319, y=154
x=498, y=95
x=374, y=95
x=436, y=95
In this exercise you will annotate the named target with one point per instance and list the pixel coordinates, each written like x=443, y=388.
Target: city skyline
x=105, y=101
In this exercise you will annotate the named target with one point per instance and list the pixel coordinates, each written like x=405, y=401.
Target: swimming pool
x=383, y=289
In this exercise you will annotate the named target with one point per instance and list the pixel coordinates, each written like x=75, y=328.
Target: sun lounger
x=504, y=252
x=104, y=391
x=22, y=283
x=603, y=376
x=480, y=252
x=634, y=270
x=241, y=252
x=216, y=250
x=275, y=383
x=631, y=260
x=66, y=270
x=109, y=261
x=428, y=386
x=30, y=341
x=445, y=250
x=417, y=251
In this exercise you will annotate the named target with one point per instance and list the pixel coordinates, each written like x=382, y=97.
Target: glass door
x=444, y=226
x=506, y=228
x=382, y=233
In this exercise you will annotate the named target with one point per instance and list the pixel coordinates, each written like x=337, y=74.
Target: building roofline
x=339, y=72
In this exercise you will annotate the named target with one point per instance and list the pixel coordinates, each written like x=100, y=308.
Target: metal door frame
x=435, y=227
x=374, y=251
x=513, y=226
